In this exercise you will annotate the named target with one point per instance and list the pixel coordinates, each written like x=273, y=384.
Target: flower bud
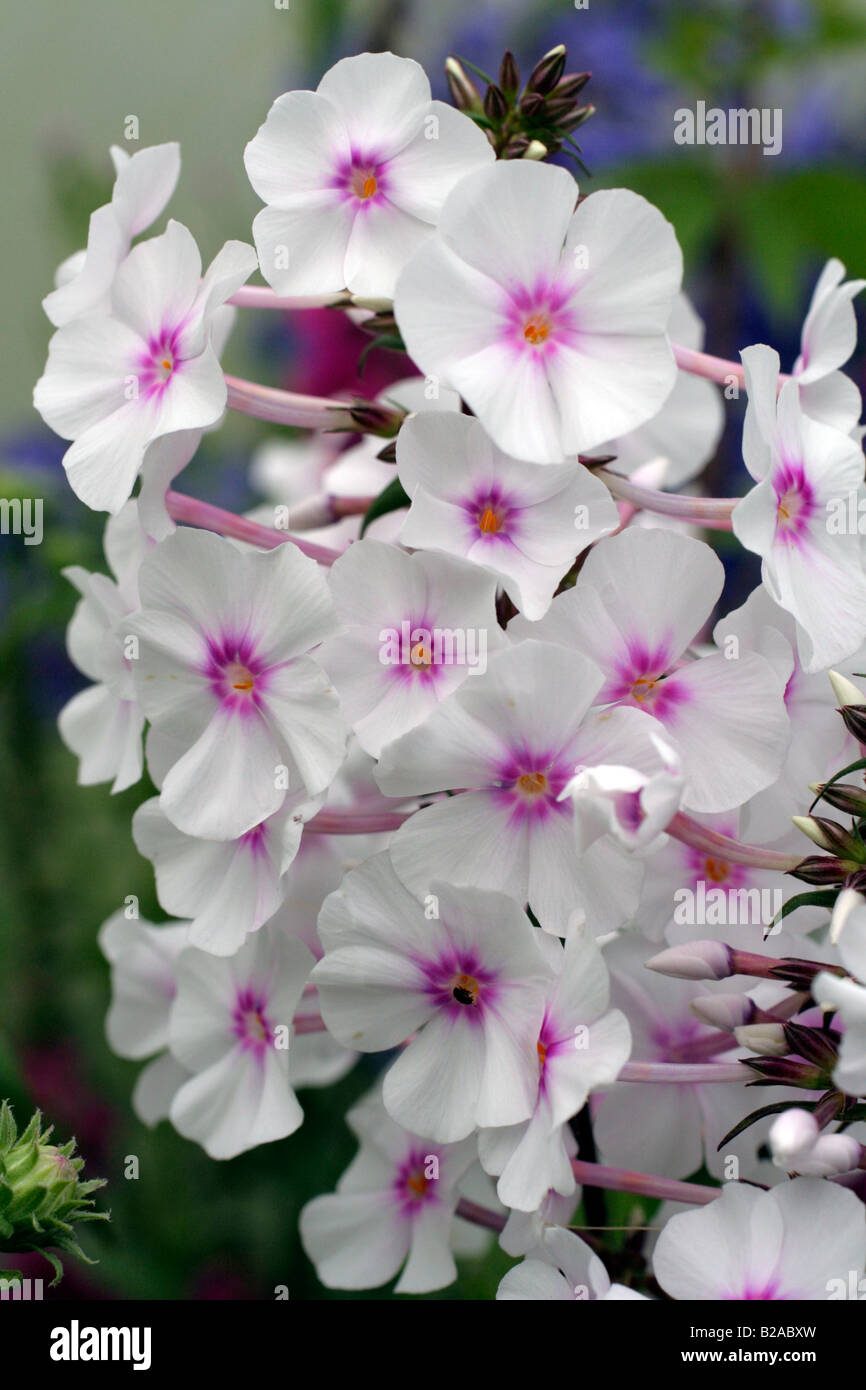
x=821, y=870
x=854, y=719
x=571, y=85
x=509, y=77
x=766, y=1039
x=776, y=1070
x=531, y=104
x=694, y=960
x=844, y=796
x=792, y=1134
x=372, y=418
x=495, y=105
x=725, y=1011
x=797, y=1145
x=464, y=93
x=846, y=691
x=41, y=1193
x=826, y=834
x=547, y=71
x=582, y=114
x=535, y=150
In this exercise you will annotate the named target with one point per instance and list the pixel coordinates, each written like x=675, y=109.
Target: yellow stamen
x=536, y=331
x=420, y=656
x=532, y=783
x=417, y=1183
x=240, y=677
x=488, y=521
x=255, y=1024
x=642, y=687
x=370, y=186
x=716, y=869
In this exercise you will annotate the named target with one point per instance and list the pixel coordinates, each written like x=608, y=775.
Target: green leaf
x=8, y=1127
x=479, y=72
x=390, y=499
x=56, y=1265
x=822, y=897
x=775, y=1109
x=852, y=767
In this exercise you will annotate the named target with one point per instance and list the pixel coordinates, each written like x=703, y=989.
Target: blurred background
x=755, y=231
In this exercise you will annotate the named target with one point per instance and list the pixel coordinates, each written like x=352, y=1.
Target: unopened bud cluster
x=531, y=123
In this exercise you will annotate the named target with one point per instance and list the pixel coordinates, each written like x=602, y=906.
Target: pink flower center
x=789, y=507
x=465, y=989
x=489, y=521
x=416, y=1185
x=716, y=870
x=249, y=1020
x=644, y=687
x=533, y=784
x=536, y=329
x=363, y=183
x=794, y=502
x=239, y=677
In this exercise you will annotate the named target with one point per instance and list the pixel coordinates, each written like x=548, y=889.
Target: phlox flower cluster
x=454, y=735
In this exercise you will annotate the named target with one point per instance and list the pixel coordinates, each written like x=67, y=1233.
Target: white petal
x=303, y=250
x=227, y=781
x=296, y=151
x=381, y=99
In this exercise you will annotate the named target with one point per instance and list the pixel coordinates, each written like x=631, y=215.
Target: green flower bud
x=42, y=1196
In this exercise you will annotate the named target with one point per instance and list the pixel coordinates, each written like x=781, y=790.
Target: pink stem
x=336, y=820
x=717, y=369
x=713, y=513
x=682, y=1073
x=642, y=1184
x=192, y=512
x=480, y=1216
x=711, y=842
x=286, y=407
